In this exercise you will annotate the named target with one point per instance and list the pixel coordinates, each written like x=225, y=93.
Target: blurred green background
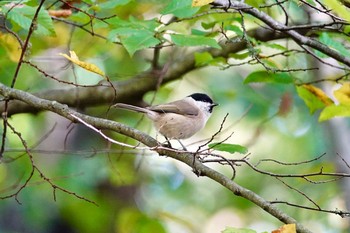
x=140, y=191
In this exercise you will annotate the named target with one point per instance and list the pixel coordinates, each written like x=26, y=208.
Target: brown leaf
x=288, y=228
x=60, y=13
x=286, y=104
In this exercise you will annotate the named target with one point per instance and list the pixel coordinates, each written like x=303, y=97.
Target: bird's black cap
x=204, y=98
x=201, y=97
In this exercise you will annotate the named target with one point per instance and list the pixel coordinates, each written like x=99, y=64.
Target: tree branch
x=185, y=157
x=275, y=25
x=133, y=89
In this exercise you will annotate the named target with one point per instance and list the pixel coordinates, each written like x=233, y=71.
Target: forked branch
x=184, y=157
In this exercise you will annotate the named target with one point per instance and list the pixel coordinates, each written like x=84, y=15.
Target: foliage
x=276, y=68
x=231, y=148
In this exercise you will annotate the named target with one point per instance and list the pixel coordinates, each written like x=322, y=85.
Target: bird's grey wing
x=178, y=107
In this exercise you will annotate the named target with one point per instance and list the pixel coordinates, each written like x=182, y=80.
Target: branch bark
x=187, y=158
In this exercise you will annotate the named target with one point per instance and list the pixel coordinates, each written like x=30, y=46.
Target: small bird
x=180, y=119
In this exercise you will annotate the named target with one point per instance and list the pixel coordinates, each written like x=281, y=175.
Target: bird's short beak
x=214, y=104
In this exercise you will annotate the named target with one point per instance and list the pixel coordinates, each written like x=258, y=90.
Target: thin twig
x=214, y=135
x=35, y=168
x=341, y=213
x=290, y=164
x=105, y=136
x=300, y=192
x=59, y=80
x=344, y=161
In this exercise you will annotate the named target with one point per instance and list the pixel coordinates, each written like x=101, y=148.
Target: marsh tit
x=180, y=119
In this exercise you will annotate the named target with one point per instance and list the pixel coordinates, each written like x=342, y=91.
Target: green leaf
x=311, y=101
x=202, y=59
x=311, y=2
x=238, y=30
x=274, y=46
x=197, y=32
x=231, y=148
x=239, y=56
x=264, y=76
x=271, y=63
x=180, y=8
x=132, y=220
x=112, y=4
x=176, y=27
x=134, y=34
x=191, y=40
x=255, y=3
x=135, y=39
x=334, y=111
x=82, y=18
x=330, y=42
x=226, y=21
x=237, y=230
x=23, y=16
x=209, y=25
x=45, y=24
x=205, y=58
x=134, y=23
x=2, y=3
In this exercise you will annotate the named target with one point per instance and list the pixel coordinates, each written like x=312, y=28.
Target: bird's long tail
x=131, y=107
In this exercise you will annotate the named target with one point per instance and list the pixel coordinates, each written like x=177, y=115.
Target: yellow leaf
x=288, y=228
x=343, y=94
x=318, y=93
x=11, y=45
x=201, y=2
x=85, y=65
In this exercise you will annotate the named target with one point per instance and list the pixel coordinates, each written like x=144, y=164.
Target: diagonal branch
x=186, y=157
x=133, y=89
x=276, y=25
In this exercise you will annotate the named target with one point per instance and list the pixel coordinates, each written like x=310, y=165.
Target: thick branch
x=133, y=89
x=203, y=170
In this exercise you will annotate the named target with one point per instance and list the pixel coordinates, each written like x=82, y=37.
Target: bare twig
x=106, y=137
x=335, y=80
x=85, y=153
x=15, y=76
x=223, y=161
x=214, y=135
x=344, y=161
x=8, y=160
x=296, y=36
x=341, y=213
x=59, y=80
x=4, y=132
x=300, y=192
x=324, y=10
x=26, y=42
x=182, y=156
x=291, y=164
x=35, y=168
